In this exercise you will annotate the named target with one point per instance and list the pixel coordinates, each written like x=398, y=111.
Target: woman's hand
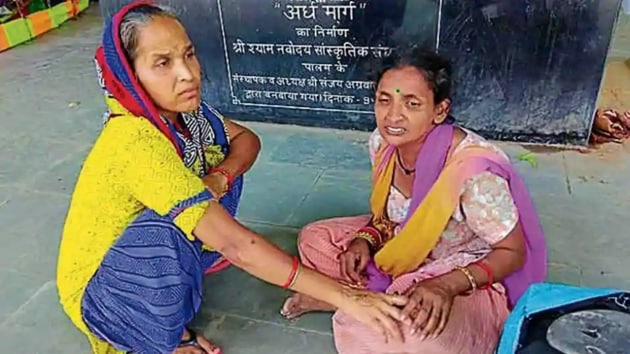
x=382, y=312
x=217, y=183
x=429, y=307
x=354, y=260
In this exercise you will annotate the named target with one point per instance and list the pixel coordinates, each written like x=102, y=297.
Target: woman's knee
x=312, y=237
x=154, y=236
x=147, y=287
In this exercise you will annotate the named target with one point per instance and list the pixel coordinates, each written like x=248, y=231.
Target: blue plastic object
x=525, y=330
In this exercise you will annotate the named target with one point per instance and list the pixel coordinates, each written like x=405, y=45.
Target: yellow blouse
x=132, y=166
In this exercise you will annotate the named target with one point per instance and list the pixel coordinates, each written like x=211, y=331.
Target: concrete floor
x=50, y=113
x=620, y=46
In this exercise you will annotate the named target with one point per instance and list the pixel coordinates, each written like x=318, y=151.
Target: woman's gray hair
x=136, y=19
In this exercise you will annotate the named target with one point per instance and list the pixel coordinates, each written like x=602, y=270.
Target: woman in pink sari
x=451, y=225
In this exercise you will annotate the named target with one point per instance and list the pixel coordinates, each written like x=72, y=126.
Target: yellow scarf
x=412, y=245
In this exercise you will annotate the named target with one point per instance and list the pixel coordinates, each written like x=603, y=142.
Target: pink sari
x=473, y=328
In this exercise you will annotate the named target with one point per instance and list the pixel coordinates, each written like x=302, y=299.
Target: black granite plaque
x=526, y=70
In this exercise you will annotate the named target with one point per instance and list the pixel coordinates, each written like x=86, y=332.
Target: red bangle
x=224, y=172
x=293, y=274
x=489, y=273
x=371, y=231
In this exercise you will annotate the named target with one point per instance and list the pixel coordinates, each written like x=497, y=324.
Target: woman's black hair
x=436, y=69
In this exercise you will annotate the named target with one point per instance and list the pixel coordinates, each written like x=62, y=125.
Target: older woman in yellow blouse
x=154, y=204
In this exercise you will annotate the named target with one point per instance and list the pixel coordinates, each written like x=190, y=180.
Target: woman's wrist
x=342, y=296
x=454, y=283
x=371, y=235
x=227, y=175
x=363, y=240
x=321, y=287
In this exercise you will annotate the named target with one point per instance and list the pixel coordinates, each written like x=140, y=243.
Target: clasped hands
x=217, y=183
x=429, y=302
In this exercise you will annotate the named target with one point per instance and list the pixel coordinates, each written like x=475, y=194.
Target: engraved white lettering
x=337, y=12
x=311, y=67
x=298, y=12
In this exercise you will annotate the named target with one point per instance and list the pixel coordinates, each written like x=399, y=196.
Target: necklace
x=402, y=166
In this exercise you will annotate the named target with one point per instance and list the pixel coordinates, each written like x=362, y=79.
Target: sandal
x=192, y=341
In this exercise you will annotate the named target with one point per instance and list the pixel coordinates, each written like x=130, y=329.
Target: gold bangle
x=368, y=237
x=471, y=278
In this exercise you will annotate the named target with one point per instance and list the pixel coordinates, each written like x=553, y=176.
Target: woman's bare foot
x=204, y=347
x=298, y=304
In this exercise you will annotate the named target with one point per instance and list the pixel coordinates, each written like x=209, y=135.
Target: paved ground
x=50, y=112
x=620, y=46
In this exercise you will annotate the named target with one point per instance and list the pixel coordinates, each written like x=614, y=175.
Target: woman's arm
x=491, y=214
x=244, y=149
x=507, y=256
x=489, y=211
x=252, y=253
